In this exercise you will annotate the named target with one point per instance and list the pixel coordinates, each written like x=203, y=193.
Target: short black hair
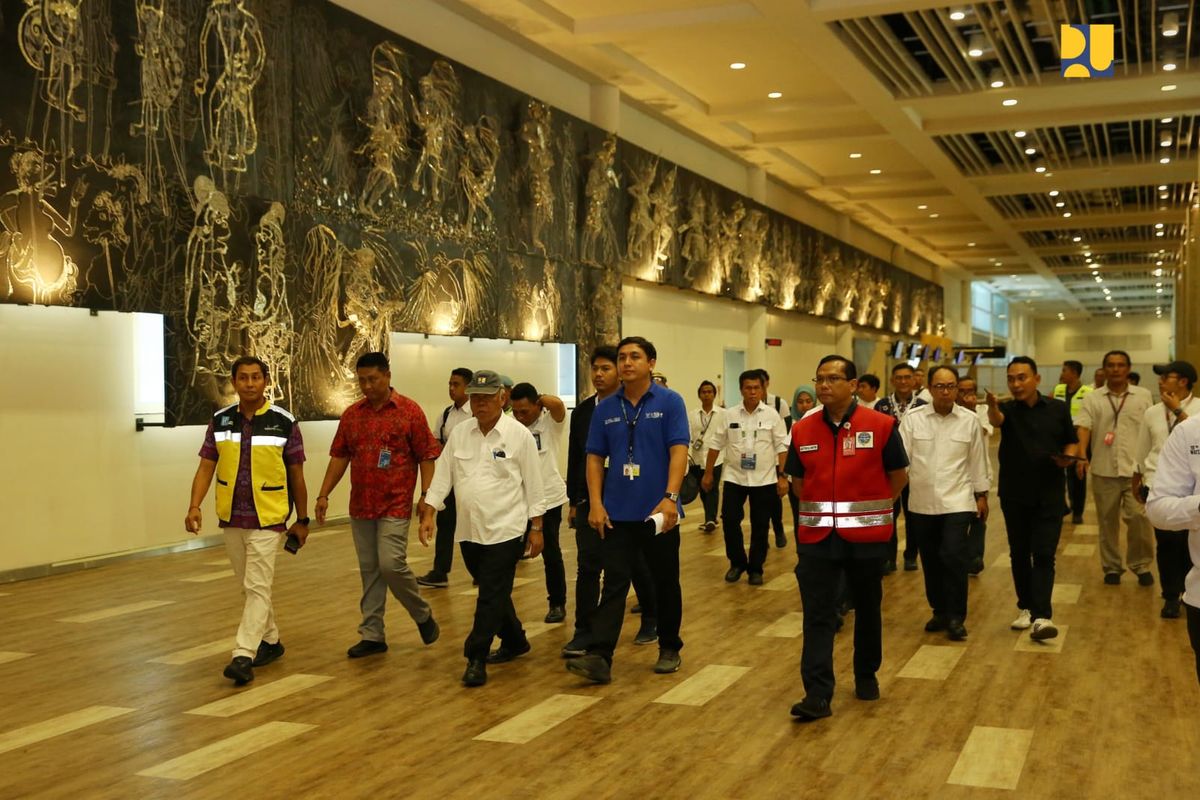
x=849, y=368
x=377, y=360
x=1074, y=366
x=248, y=361
x=463, y=373
x=646, y=346
x=968, y=377
x=605, y=352
x=1122, y=353
x=704, y=383
x=902, y=365
x=1135, y=378
x=869, y=380
x=1023, y=360
x=524, y=391
x=766, y=376
x=750, y=375
x=933, y=371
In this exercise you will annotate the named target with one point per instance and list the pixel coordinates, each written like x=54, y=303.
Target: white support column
x=756, y=184
x=606, y=107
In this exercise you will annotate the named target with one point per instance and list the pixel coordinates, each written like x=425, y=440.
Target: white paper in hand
x=657, y=519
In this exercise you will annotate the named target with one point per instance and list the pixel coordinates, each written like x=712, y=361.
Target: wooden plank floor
x=1112, y=714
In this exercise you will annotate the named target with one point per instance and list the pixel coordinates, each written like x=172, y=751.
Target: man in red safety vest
x=848, y=465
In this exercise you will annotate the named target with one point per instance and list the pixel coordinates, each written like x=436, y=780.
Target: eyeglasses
x=944, y=387
x=830, y=379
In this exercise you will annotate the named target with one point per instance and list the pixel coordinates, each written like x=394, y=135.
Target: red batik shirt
x=363, y=435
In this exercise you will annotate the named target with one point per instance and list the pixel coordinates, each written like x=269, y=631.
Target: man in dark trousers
x=847, y=466
x=642, y=433
x=443, y=549
x=780, y=406
x=1037, y=441
x=903, y=399
x=587, y=542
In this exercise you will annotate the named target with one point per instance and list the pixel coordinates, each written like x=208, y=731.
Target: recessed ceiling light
x=1030, y=151
x=1162, y=187
x=1169, y=66
x=1158, y=272
x=1087, y=252
x=1012, y=101
x=976, y=45
x=1158, y=225
x=1019, y=134
x=1165, y=139
x=876, y=172
x=1169, y=87
x=1087, y=261
x=922, y=207
x=1014, y=276
x=970, y=244
x=1099, y=279
x=856, y=155
x=1040, y=168
x=1066, y=214
x=999, y=263
x=774, y=95
x=1158, y=291
x=1059, y=204
x=1165, y=160
x=737, y=65
x=958, y=15
x=1170, y=24
x=1159, y=263
x=1167, y=120
x=1158, y=284
x=933, y=215
x=1054, y=192
x=1077, y=239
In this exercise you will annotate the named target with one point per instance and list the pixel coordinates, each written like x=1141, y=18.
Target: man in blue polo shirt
x=641, y=434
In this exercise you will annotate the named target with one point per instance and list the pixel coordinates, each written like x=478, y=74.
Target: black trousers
x=495, y=566
x=590, y=560
x=1174, y=561
x=1076, y=491
x=710, y=498
x=620, y=547
x=556, y=573
x=1193, y=625
x=819, y=579
x=943, y=542
x=762, y=505
x=910, y=542
x=777, y=514
x=443, y=542
x=975, y=539
x=1033, y=531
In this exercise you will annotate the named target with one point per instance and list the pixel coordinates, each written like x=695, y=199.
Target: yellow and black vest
x=268, y=474
x=1060, y=393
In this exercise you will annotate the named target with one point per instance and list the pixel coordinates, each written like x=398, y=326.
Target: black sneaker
x=910, y=565
x=668, y=662
x=240, y=670
x=637, y=608
x=429, y=630
x=366, y=648
x=476, y=673
x=1171, y=609
x=955, y=630
x=1077, y=519
x=556, y=614
x=889, y=567
x=811, y=708
x=591, y=667
x=976, y=567
x=866, y=688
x=780, y=539
x=434, y=579
x=1145, y=579
x=575, y=648
x=267, y=653
x=648, y=633
x=503, y=654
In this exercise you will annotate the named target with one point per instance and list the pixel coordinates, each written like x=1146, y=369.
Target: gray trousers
x=382, y=547
x=1115, y=502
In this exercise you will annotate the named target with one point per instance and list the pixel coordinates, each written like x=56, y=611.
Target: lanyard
x=1173, y=420
x=703, y=425
x=631, y=425
x=1116, y=409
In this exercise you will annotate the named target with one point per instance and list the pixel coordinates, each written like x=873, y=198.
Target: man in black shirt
x=587, y=542
x=1037, y=441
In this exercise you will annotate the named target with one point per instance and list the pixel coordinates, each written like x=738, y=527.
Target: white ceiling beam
x=1179, y=170
x=1085, y=220
x=1151, y=245
x=769, y=108
x=868, y=180
x=833, y=10
x=856, y=133
x=611, y=28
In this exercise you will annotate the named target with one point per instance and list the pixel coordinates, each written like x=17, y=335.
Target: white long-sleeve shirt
x=547, y=435
x=496, y=479
x=701, y=425
x=757, y=437
x=1156, y=427
x=1174, y=503
x=947, y=460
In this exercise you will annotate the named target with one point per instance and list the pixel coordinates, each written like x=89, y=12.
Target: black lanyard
x=704, y=425
x=1172, y=417
x=1117, y=409
x=631, y=426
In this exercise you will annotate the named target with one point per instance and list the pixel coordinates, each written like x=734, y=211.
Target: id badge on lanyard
x=848, y=447
x=1111, y=436
x=385, y=458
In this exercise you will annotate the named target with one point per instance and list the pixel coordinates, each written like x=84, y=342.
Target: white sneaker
x=1023, y=621
x=1043, y=629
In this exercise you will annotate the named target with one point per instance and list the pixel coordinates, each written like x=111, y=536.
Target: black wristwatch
x=672, y=496
x=1178, y=412
x=301, y=521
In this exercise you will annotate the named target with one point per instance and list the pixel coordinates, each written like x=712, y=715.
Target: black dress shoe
x=889, y=566
x=866, y=688
x=936, y=623
x=556, y=614
x=1145, y=579
x=1077, y=519
x=734, y=574
x=476, y=674
x=637, y=608
x=1171, y=609
x=780, y=539
x=755, y=579
x=1112, y=578
x=366, y=648
x=910, y=565
x=575, y=648
x=591, y=667
x=434, y=580
x=503, y=654
x=240, y=670
x=976, y=567
x=267, y=653
x=811, y=708
x=429, y=630
x=955, y=630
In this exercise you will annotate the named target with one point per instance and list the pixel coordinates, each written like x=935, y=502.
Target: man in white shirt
x=1110, y=419
x=491, y=463
x=546, y=418
x=1175, y=383
x=452, y=415
x=702, y=422
x=968, y=398
x=868, y=390
x=1174, y=504
x=919, y=388
x=948, y=480
x=903, y=399
x=754, y=441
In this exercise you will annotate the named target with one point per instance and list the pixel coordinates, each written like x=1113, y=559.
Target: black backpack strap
x=442, y=429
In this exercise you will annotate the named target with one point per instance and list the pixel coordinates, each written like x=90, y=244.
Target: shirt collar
x=849, y=413
x=648, y=393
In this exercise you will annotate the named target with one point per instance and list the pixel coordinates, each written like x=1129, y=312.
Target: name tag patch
x=864, y=439
x=1195, y=449
x=807, y=448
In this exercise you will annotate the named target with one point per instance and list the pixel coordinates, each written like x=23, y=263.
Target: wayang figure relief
x=437, y=117
x=159, y=46
x=539, y=163
x=477, y=171
x=387, y=124
x=598, y=241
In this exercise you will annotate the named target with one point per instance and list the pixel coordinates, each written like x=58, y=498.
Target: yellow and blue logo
x=1087, y=51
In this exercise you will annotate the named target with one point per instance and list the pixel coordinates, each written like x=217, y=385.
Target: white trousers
x=252, y=554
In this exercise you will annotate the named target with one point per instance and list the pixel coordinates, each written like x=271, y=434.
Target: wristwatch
x=301, y=521
x=1178, y=412
x=672, y=496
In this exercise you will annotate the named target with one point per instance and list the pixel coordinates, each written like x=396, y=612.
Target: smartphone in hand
x=292, y=545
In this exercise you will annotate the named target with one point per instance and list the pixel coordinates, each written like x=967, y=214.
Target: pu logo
x=1087, y=51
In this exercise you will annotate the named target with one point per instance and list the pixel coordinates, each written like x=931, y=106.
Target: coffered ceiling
x=945, y=127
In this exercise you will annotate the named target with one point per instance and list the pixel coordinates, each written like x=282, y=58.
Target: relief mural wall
x=284, y=178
